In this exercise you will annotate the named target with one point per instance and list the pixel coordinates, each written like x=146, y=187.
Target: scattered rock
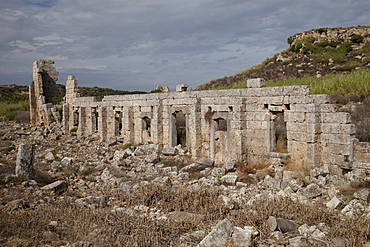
x=334, y=203
x=219, y=235
x=17, y=204
x=99, y=201
x=242, y=237
x=278, y=224
x=57, y=187
x=312, y=191
x=311, y=231
x=298, y=241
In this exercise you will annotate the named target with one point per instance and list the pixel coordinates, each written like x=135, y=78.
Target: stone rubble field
x=65, y=190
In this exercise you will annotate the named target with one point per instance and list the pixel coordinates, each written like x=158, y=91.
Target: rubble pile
x=96, y=175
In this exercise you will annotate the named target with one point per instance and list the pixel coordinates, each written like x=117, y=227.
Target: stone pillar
x=102, y=123
x=24, y=163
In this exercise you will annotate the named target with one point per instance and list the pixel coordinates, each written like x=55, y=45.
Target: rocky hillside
x=83, y=192
x=311, y=54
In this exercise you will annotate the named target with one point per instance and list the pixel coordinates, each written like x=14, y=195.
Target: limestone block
x=230, y=178
x=255, y=116
x=242, y=237
x=272, y=100
x=295, y=117
x=311, y=231
x=312, y=191
x=272, y=91
x=296, y=90
x=257, y=125
x=219, y=235
x=25, y=160
x=334, y=203
x=253, y=100
x=250, y=93
x=320, y=98
x=328, y=108
x=338, y=117
x=57, y=187
x=313, y=117
x=278, y=224
x=99, y=201
x=300, y=100
x=256, y=83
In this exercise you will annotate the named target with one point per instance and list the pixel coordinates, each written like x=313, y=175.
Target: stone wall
x=253, y=124
x=42, y=91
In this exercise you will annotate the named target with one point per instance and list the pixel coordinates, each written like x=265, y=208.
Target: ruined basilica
x=253, y=124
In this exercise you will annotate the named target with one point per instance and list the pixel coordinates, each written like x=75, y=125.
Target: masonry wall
x=42, y=90
x=226, y=125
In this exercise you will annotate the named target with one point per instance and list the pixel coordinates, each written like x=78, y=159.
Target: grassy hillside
x=305, y=58
x=14, y=99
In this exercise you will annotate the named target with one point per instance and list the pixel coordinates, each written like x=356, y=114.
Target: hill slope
x=311, y=54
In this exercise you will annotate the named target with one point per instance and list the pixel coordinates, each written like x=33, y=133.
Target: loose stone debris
x=87, y=171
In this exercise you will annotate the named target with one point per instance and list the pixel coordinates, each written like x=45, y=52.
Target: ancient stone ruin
x=42, y=91
x=253, y=124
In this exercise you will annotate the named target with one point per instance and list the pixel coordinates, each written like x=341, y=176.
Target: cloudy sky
x=138, y=44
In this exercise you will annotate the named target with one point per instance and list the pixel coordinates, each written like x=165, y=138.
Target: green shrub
x=11, y=107
x=345, y=47
x=296, y=47
x=349, y=66
x=357, y=38
x=322, y=30
x=73, y=130
x=10, y=116
x=366, y=61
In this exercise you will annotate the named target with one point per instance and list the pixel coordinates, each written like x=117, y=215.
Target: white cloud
x=127, y=44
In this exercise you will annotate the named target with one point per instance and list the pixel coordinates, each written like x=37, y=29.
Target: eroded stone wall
x=256, y=124
x=42, y=92
x=226, y=125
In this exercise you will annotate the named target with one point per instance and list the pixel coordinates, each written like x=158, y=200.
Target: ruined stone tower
x=42, y=91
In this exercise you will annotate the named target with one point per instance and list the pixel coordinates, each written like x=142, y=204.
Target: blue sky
x=138, y=44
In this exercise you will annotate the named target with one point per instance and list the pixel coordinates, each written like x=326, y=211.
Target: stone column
x=24, y=163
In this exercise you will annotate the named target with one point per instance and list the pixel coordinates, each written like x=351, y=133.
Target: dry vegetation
x=59, y=221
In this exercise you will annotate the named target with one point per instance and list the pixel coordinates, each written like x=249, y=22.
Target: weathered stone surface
x=298, y=241
x=230, y=178
x=199, y=166
x=57, y=187
x=334, y=203
x=229, y=166
x=338, y=242
x=219, y=235
x=67, y=161
x=17, y=204
x=272, y=183
x=180, y=216
x=311, y=231
x=49, y=156
x=242, y=237
x=278, y=224
x=99, y=201
x=24, y=163
x=363, y=195
x=312, y=191
x=353, y=209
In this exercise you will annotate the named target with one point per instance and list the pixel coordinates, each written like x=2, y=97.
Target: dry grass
x=31, y=227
